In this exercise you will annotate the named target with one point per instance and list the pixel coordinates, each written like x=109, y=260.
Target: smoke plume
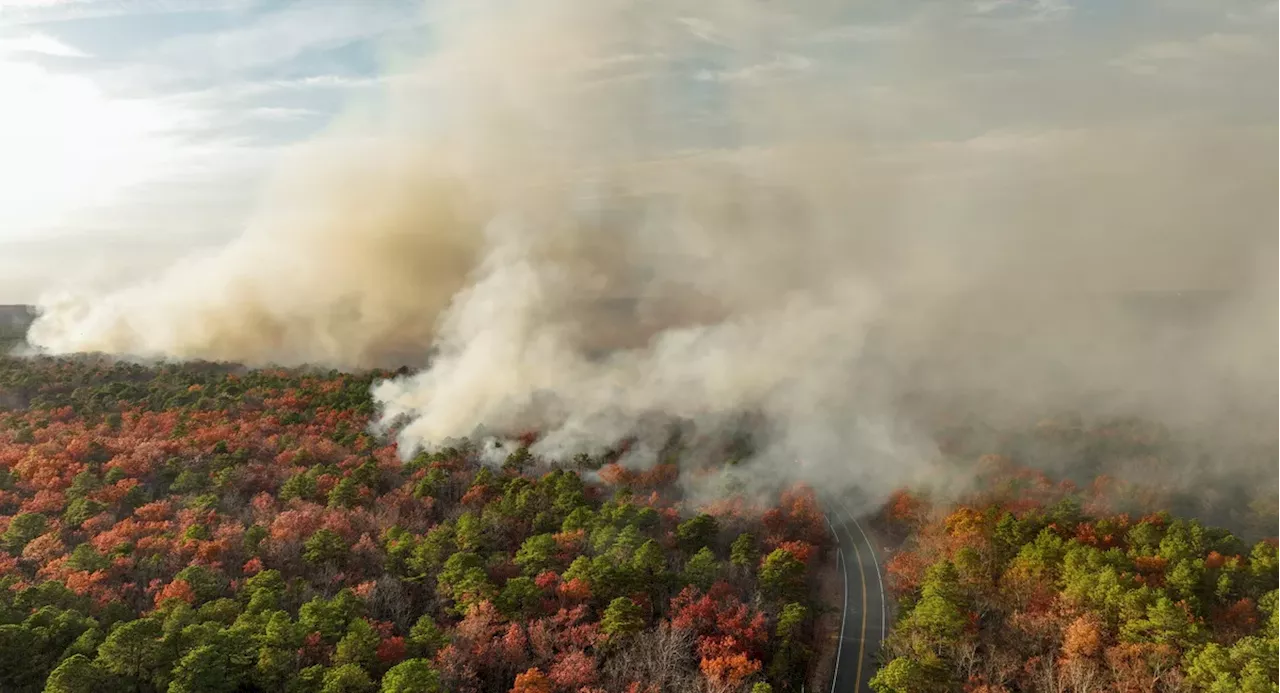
x=580, y=216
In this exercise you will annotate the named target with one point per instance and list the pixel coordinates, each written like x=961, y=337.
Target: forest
x=209, y=528
x=1037, y=586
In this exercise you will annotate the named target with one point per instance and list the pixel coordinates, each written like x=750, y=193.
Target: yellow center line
x=862, y=637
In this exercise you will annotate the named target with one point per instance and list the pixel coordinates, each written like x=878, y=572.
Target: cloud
x=44, y=4
x=1209, y=51
x=331, y=81
x=778, y=67
x=40, y=43
x=1036, y=10
x=285, y=34
x=270, y=113
x=232, y=94
x=20, y=12
x=860, y=32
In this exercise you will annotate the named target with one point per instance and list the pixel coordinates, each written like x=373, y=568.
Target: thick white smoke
x=594, y=213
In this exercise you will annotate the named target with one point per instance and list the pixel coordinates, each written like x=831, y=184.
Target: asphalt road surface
x=865, y=614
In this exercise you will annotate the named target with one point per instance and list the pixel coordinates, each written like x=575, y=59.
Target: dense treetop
x=1029, y=592
x=204, y=527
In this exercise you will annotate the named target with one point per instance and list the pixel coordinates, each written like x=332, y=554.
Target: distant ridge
x=16, y=312
x=14, y=321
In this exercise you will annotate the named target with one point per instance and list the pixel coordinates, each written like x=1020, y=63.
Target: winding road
x=865, y=615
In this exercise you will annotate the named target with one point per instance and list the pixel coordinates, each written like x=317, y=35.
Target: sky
x=134, y=132
x=814, y=209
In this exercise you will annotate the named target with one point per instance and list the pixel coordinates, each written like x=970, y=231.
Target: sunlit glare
x=68, y=146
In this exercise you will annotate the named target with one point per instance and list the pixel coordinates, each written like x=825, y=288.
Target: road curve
x=865, y=615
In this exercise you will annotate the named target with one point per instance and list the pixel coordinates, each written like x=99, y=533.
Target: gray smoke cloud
x=598, y=215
